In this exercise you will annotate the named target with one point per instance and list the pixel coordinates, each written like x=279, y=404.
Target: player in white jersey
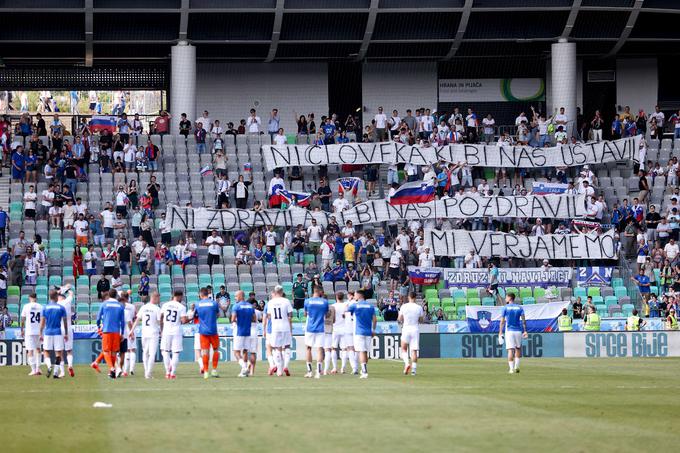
x=173, y=315
x=149, y=316
x=253, y=342
x=280, y=315
x=341, y=338
x=30, y=332
x=65, y=300
x=329, y=320
x=128, y=316
x=410, y=316
x=131, y=356
x=350, y=352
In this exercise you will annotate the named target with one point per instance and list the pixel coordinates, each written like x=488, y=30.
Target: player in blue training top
x=316, y=308
x=53, y=318
x=515, y=329
x=111, y=320
x=364, y=328
x=207, y=311
x=243, y=314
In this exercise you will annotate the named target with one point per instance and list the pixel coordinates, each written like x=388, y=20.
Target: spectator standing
x=274, y=124
x=253, y=123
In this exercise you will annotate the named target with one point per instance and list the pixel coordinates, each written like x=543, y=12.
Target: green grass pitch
x=579, y=405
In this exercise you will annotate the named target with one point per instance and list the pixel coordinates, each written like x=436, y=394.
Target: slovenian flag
x=100, y=123
x=540, y=317
x=424, y=276
x=413, y=192
x=206, y=171
x=302, y=199
x=349, y=184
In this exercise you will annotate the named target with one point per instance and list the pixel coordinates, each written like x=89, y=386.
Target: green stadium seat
x=488, y=301
x=460, y=313
x=611, y=300
x=192, y=288
x=501, y=292
x=460, y=294
x=287, y=287
x=309, y=258
x=654, y=290
x=525, y=292
x=204, y=280
x=627, y=309
x=460, y=303
x=476, y=301
x=513, y=290
x=164, y=279
x=593, y=291
x=620, y=291
x=528, y=301
x=617, y=282
x=67, y=271
x=83, y=280
x=472, y=293
x=539, y=292
x=602, y=310
x=447, y=302
x=55, y=280
x=42, y=280
x=247, y=287
x=580, y=292
x=598, y=300
x=13, y=291
x=431, y=293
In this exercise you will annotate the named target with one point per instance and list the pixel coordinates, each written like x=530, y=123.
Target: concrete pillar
x=563, y=78
x=182, y=83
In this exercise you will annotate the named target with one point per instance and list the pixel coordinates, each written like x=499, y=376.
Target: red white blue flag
x=100, y=123
x=349, y=184
x=413, y=192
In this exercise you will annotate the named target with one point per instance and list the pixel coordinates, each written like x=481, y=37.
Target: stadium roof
x=87, y=31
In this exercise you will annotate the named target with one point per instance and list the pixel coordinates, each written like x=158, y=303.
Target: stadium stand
x=78, y=212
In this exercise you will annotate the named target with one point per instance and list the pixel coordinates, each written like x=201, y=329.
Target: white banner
x=491, y=90
x=505, y=245
x=376, y=211
x=625, y=149
x=622, y=344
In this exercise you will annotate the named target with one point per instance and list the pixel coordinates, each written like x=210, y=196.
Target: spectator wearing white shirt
x=340, y=204
x=380, y=125
x=472, y=122
x=472, y=260
x=426, y=258
x=280, y=138
x=253, y=123
x=522, y=117
x=82, y=230
x=107, y=217
x=659, y=116
x=214, y=244
x=30, y=199
x=426, y=125
x=314, y=236
x=395, y=123
x=489, y=125
x=671, y=251
x=561, y=119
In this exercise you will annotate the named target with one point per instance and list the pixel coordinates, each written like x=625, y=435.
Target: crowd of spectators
x=131, y=229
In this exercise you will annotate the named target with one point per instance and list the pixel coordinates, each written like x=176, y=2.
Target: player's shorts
x=327, y=340
x=208, y=341
x=32, y=342
x=411, y=337
x=513, y=339
x=68, y=344
x=197, y=340
x=123, y=346
x=336, y=339
x=347, y=341
x=298, y=304
x=53, y=342
x=110, y=342
x=252, y=347
x=279, y=339
x=172, y=343
x=150, y=344
x=362, y=343
x=241, y=343
x=493, y=288
x=314, y=340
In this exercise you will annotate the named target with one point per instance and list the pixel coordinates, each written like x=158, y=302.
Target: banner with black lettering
x=594, y=276
x=550, y=246
x=525, y=276
x=570, y=155
x=376, y=211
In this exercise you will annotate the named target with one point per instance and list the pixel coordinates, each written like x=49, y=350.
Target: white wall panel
x=229, y=90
